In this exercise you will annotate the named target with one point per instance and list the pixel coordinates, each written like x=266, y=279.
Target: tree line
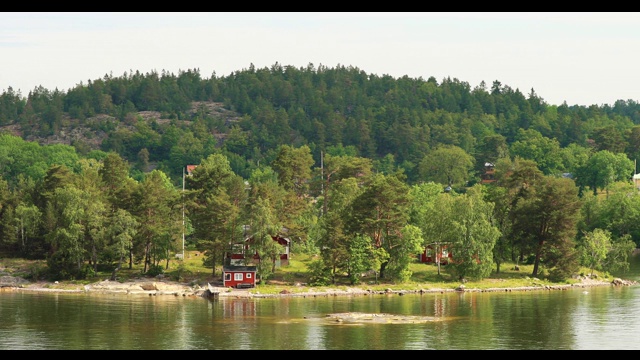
x=396, y=120
x=91, y=214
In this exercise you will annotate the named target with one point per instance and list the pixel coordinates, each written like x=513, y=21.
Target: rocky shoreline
x=156, y=287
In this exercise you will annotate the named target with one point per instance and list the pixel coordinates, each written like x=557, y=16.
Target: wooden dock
x=211, y=293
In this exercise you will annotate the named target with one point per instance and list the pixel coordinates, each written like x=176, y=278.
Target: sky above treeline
x=581, y=58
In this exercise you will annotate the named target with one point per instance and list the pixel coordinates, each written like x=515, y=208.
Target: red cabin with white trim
x=239, y=276
x=429, y=255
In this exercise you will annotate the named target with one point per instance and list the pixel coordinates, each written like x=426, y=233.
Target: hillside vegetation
x=360, y=171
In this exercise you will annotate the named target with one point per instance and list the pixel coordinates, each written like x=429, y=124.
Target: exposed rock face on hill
x=87, y=132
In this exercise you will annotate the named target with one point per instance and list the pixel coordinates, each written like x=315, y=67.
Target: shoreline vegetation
x=289, y=282
x=154, y=287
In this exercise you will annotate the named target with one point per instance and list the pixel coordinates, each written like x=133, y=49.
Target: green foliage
x=448, y=165
x=402, y=254
x=319, y=274
x=531, y=145
x=380, y=212
x=360, y=258
x=294, y=168
x=88, y=272
x=155, y=270
x=158, y=216
x=216, y=200
x=61, y=267
x=37, y=271
x=181, y=273
x=544, y=217
x=559, y=274
x=604, y=168
x=423, y=196
x=469, y=232
x=18, y=156
x=411, y=130
x=264, y=225
x=618, y=256
x=595, y=246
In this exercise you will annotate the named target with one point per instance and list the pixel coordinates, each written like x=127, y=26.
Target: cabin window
x=445, y=253
x=237, y=276
x=428, y=252
x=227, y=276
x=248, y=275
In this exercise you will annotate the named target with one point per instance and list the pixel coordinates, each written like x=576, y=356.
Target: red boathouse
x=239, y=276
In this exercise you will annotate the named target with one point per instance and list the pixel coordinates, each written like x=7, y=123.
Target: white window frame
x=248, y=275
x=238, y=276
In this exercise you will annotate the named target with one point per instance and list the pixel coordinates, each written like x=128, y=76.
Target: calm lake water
x=600, y=317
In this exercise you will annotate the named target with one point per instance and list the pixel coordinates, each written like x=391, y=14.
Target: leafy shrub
x=36, y=272
x=155, y=270
x=319, y=274
x=530, y=259
x=180, y=273
x=88, y=272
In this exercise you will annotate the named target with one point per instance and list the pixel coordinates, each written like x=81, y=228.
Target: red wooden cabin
x=429, y=255
x=239, y=252
x=489, y=174
x=239, y=276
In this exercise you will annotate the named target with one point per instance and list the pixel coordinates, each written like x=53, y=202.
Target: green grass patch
x=295, y=276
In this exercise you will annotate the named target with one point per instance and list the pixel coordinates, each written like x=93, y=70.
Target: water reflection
x=593, y=318
x=608, y=319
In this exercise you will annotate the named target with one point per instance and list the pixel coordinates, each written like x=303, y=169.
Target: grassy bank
x=294, y=277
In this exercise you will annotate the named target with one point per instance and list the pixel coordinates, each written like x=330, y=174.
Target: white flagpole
x=183, y=213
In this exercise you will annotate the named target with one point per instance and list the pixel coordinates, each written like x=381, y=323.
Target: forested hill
x=165, y=121
x=360, y=171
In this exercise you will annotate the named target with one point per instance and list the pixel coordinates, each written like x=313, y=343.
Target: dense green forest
x=362, y=170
